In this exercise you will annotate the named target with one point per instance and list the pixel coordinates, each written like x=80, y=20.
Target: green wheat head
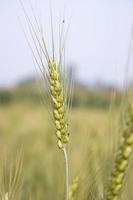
x=73, y=188
x=122, y=158
x=59, y=109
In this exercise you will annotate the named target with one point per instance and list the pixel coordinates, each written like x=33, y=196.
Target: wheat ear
x=122, y=158
x=59, y=110
x=73, y=188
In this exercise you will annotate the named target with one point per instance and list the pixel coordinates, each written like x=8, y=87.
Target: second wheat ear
x=122, y=158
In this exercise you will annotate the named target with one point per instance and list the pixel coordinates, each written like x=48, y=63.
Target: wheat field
x=94, y=138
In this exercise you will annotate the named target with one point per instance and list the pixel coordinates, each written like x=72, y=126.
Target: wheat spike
x=59, y=111
x=122, y=158
x=73, y=188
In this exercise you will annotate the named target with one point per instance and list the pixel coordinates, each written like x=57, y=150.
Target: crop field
x=94, y=135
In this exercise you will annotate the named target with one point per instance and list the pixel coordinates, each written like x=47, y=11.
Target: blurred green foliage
x=6, y=96
x=82, y=96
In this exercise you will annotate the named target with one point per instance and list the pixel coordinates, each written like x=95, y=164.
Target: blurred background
x=99, y=50
x=99, y=43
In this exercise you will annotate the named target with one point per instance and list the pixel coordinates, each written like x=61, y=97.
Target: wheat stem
x=66, y=173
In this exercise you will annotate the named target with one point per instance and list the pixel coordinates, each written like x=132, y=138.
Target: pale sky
x=98, y=38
